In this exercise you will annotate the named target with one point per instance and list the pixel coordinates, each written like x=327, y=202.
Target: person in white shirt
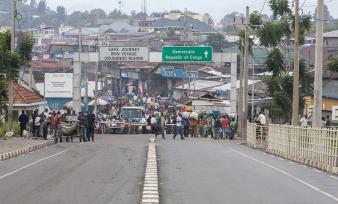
x=261, y=119
x=304, y=121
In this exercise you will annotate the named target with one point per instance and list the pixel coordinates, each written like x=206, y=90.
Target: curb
x=9, y=155
x=150, y=186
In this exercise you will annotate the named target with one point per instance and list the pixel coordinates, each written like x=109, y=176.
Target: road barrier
x=257, y=135
x=310, y=146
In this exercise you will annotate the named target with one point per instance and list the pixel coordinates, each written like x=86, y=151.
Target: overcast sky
x=217, y=8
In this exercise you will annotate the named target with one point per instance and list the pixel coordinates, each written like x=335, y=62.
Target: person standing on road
x=91, y=126
x=193, y=125
x=23, y=120
x=35, y=114
x=83, y=126
x=179, y=127
x=55, y=124
x=144, y=124
x=44, y=126
x=185, y=124
x=225, y=124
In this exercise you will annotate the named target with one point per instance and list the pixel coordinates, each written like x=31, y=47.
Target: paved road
x=110, y=170
x=203, y=171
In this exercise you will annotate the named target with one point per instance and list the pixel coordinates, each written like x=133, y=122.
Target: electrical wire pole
x=245, y=77
x=317, y=105
x=11, y=83
x=295, y=100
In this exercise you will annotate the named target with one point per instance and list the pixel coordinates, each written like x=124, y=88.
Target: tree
x=9, y=66
x=61, y=13
x=276, y=35
x=42, y=7
x=332, y=65
x=25, y=48
x=217, y=41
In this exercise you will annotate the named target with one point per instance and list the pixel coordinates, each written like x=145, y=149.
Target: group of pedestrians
x=40, y=123
x=202, y=125
x=87, y=126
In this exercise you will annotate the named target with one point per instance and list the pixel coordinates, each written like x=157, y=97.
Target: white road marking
x=150, y=186
x=288, y=174
x=31, y=164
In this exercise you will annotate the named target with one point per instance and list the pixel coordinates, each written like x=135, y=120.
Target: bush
x=3, y=129
x=16, y=128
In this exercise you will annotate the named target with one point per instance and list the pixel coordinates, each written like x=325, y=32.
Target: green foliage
x=42, y=7
x=332, y=65
x=16, y=128
x=3, y=129
x=280, y=87
x=305, y=26
x=271, y=33
x=279, y=8
x=217, y=41
x=275, y=62
x=25, y=48
x=255, y=19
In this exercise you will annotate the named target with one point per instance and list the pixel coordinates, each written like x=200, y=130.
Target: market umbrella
x=70, y=104
x=99, y=102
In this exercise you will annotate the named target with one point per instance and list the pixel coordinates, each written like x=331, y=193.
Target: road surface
x=194, y=171
x=206, y=171
x=110, y=170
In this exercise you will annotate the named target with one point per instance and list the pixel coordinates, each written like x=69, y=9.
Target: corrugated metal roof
x=332, y=34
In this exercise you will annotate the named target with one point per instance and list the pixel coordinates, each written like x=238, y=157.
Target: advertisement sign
x=124, y=54
x=58, y=85
x=173, y=72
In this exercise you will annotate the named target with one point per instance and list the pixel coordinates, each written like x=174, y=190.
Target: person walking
x=37, y=126
x=179, y=127
x=304, y=121
x=218, y=128
x=23, y=120
x=159, y=129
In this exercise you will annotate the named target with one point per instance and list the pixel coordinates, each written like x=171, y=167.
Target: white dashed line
x=287, y=174
x=150, y=187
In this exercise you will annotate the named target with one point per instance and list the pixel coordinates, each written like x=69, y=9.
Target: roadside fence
x=310, y=146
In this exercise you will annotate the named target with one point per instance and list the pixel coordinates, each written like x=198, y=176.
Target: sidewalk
x=14, y=146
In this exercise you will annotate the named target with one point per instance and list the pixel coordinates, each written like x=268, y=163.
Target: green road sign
x=186, y=54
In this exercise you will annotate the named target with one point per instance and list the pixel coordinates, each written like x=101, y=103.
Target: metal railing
x=256, y=135
x=313, y=147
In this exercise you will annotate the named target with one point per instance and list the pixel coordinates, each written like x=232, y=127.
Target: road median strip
x=150, y=186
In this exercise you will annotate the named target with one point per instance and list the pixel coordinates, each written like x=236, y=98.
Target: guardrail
x=314, y=147
x=256, y=136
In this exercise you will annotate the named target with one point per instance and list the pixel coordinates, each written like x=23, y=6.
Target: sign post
x=184, y=54
x=124, y=54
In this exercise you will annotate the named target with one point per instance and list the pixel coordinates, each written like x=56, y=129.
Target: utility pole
x=186, y=34
x=295, y=101
x=245, y=73
x=11, y=83
x=97, y=77
x=317, y=105
x=241, y=89
x=253, y=91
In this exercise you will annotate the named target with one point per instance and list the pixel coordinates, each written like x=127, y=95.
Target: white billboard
x=124, y=54
x=58, y=85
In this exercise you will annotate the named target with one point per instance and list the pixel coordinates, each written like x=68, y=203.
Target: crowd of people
x=190, y=125
x=49, y=123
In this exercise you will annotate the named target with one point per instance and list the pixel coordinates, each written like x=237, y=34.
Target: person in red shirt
x=225, y=124
x=193, y=126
